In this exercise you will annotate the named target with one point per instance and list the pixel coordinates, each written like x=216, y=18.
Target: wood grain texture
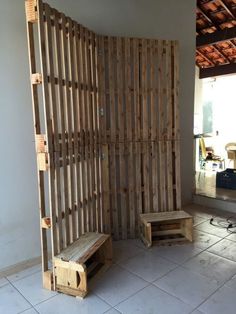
x=111, y=121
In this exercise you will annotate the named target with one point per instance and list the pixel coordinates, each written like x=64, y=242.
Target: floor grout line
x=24, y=276
x=171, y=295
x=145, y=250
x=22, y=296
x=32, y=305
x=212, y=294
x=53, y=296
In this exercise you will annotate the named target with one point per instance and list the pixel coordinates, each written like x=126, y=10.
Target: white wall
x=166, y=19
x=198, y=103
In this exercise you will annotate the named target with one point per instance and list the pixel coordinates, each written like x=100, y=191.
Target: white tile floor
x=195, y=278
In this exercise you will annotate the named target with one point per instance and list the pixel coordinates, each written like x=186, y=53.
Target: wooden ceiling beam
x=205, y=57
x=227, y=8
x=217, y=70
x=205, y=16
x=221, y=53
x=216, y=37
x=207, y=1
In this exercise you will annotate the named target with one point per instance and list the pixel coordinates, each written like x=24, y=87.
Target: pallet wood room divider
x=106, y=122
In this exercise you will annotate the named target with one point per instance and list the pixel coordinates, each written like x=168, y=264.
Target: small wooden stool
x=166, y=228
x=89, y=256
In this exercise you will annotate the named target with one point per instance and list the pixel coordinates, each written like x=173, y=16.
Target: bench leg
x=83, y=287
x=146, y=234
x=187, y=229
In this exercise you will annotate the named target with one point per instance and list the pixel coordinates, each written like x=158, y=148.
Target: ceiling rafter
x=205, y=57
x=220, y=17
x=206, y=15
x=226, y=7
x=218, y=27
x=216, y=37
x=217, y=70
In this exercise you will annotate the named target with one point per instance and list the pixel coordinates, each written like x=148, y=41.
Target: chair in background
x=207, y=159
x=231, y=153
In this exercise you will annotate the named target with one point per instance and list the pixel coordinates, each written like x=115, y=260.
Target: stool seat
x=84, y=259
x=166, y=228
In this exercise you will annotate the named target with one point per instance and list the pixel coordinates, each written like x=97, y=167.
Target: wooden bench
x=85, y=259
x=166, y=228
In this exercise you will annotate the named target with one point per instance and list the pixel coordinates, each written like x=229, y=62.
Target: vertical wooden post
x=106, y=189
x=31, y=9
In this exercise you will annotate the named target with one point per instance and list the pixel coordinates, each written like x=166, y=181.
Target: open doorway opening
x=215, y=136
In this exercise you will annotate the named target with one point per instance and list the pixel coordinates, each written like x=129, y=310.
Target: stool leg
x=148, y=234
x=83, y=288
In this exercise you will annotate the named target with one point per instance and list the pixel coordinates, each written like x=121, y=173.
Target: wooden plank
x=187, y=228
x=113, y=187
x=153, y=118
x=123, y=146
x=52, y=98
x=121, y=160
x=37, y=130
x=165, y=216
x=144, y=112
x=149, y=125
x=129, y=137
x=48, y=280
x=48, y=125
x=91, y=114
x=161, y=165
x=99, y=138
x=102, y=91
x=86, y=169
x=217, y=70
x=112, y=111
x=83, y=185
x=77, y=250
x=148, y=233
x=169, y=126
x=77, y=128
x=36, y=78
x=102, y=134
x=175, y=75
x=62, y=113
x=154, y=176
x=127, y=70
x=166, y=232
x=73, y=29
x=144, y=115
x=46, y=222
x=153, y=88
x=137, y=120
x=68, y=124
x=112, y=116
x=31, y=11
x=105, y=189
x=216, y=37
x=71, y=133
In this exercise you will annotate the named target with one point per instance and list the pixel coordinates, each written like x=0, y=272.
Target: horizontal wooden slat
x=164, y=216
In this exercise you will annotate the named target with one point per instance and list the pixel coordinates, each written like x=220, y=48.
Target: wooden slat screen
x=70, y=92
x=140, y=129
x=112, y=127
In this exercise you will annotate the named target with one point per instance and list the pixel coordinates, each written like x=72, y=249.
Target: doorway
x=215, y=135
